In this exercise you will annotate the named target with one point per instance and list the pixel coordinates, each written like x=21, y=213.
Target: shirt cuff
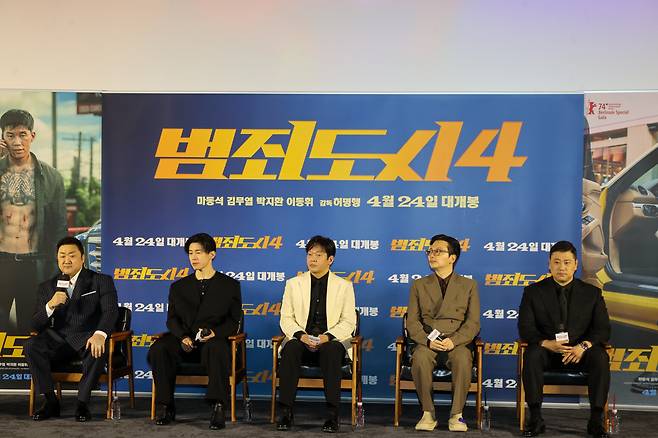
x=298, y=335
x=49, y=311
x=102, y=333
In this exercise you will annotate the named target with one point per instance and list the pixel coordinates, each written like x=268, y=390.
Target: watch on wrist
x=584, y=346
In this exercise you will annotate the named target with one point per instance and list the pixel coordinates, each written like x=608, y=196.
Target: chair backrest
x=124, y=320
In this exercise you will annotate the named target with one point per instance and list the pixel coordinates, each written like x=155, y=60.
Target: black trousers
x=42, y=350
x=18, y=282
x=166, y=354
x=330, y=359
x=595, y=362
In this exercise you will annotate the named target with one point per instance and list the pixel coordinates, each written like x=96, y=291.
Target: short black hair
x=17, y=117
x=453, y=245
x=68, y=240
x=563, y=246
x=326, y=243
x=204, y=239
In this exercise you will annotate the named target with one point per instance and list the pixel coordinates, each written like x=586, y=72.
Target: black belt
x=27, y=257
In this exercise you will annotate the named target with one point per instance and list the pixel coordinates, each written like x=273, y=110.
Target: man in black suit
x=565, y=322
x=205, y=308
x=75, y=314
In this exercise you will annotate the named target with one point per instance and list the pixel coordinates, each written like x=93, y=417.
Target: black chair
x=311, y=374
x=556, y=382
x=193, y=373
x=442, y=376
x=119, y=364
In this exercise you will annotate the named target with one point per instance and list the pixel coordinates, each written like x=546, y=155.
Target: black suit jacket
x=220, y=309
x=539, y=313
x=93, y=306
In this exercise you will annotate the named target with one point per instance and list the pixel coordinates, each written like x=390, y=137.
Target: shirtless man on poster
x=33, y=218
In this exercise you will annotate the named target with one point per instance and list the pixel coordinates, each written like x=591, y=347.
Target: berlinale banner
x=380, y=174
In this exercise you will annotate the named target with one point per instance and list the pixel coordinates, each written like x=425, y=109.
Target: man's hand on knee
x=96, y=344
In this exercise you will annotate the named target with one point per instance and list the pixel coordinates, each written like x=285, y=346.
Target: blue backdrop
x=380, y=174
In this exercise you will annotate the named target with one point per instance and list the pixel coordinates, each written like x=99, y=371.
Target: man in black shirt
x=565, y=322
x=205, y=308
x=318, y=319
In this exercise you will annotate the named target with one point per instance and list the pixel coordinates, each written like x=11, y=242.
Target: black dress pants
x=42, y=350
x=595, y=362
x=166, y=354
x=330, y=359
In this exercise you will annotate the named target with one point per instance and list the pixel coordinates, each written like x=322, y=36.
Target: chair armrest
x=121, y=336
x=479, y=343
x=399, y=340
x=240, y=337
x=522, y=343
x=276, y=340
x=157, y=336
x=356, y=340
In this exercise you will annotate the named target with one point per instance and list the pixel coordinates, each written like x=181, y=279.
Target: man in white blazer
x=318, y=320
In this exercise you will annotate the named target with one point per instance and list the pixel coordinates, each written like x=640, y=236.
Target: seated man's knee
x=423, y=355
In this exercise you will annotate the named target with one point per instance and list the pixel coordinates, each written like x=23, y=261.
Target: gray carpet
x=193, y=414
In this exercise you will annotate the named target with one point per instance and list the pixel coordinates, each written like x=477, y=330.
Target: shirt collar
x=75, y=278
x=322, y=279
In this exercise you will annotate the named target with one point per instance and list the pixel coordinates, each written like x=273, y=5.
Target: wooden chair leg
x=233, y=383
x=521, y=407
x=110, y=384
x=274, y=377
x=32, y=390
x=131, y=388
x=153, y=400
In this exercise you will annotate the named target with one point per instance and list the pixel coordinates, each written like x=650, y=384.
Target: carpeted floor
x=193, y=415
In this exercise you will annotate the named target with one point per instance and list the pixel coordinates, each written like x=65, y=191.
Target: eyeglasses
x=436, y=252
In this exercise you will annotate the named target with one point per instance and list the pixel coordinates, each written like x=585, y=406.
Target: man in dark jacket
x=565, y=322
x=32, y=220
x=205, y=308
x=75, y=314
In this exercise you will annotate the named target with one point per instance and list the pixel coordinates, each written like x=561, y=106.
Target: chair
x=119, y=364
x=193, y=373
x=311, y=375
x=441, y=375
x=556, y=382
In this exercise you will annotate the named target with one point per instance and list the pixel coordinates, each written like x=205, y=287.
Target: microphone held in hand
x=63, y=282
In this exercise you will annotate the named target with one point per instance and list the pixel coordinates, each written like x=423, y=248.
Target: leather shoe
x=217, y=420
x=165, y=414
x=46, y=411
x=534, y=428
x=82, y=413
x=596, y=429
x=285, y=421
x=331, y=425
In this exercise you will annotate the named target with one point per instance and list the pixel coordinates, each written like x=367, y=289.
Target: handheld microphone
x=63, y=282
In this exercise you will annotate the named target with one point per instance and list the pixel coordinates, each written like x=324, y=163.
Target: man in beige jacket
x=318, y=319
x=449, y=304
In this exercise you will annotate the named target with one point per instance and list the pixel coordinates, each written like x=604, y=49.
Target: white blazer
x=341, y=313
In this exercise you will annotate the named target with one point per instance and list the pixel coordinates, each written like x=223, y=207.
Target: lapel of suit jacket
x=333, y=307
x=452, y=291
x=305, y=294
x=81, y=284
x=573, y=317
x=549, y=297
x=432, y=291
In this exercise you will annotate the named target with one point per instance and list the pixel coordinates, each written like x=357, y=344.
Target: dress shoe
x=534, y=428
x=596, y=429
x=286, y=420
x=165, y=414
x=82, y=413
x=427, y=422
x=331, y=425
x=47, y=410
x=217, y=420
x=456, y=423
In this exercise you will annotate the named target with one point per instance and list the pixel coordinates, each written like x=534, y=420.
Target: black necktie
x=562, y=297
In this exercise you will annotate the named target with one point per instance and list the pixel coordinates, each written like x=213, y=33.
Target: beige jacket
x=341, y=314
